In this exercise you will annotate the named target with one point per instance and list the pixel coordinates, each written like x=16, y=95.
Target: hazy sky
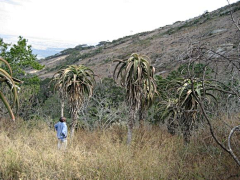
x=66, y=22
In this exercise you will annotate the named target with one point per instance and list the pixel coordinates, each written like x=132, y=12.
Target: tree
x=179, y=98
x=136, y=76
x=19, y=56
x=6, y=78
x=188, y=95
x=75, y=83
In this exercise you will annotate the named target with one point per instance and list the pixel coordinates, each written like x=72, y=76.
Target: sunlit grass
x=29, y=151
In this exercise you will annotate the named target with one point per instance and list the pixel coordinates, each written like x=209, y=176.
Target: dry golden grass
x=29, y=151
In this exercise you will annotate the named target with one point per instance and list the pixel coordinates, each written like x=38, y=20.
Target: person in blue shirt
x=61, y=128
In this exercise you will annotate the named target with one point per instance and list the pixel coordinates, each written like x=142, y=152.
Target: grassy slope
x=29, y=151
x=165, y=46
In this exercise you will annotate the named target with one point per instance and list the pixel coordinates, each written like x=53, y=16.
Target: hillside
x=165, y=46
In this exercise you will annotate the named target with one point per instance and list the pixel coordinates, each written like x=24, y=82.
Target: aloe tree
x=188, y=95
x=75, y=83
x=182, y=108
x=7, y=79
x=136, y=76
x=189, y=105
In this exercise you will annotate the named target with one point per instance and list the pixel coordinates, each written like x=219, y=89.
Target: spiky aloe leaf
x=7, y=78
x=7, y=64
x=74, y=83
x=5, y=102
x=137, y=78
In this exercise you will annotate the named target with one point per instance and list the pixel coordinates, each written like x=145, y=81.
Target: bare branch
x=237, y=128
x=236, y=23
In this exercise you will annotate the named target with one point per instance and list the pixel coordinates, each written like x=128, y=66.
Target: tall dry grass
x=28, y=150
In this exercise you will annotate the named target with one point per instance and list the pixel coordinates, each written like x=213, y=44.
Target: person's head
x=62, y=119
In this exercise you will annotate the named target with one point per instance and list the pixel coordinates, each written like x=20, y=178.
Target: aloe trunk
x=171, y=126
x=62, y=108
x=141, y=116
x=73, y=124
x=130, y=125
x=186, y=128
